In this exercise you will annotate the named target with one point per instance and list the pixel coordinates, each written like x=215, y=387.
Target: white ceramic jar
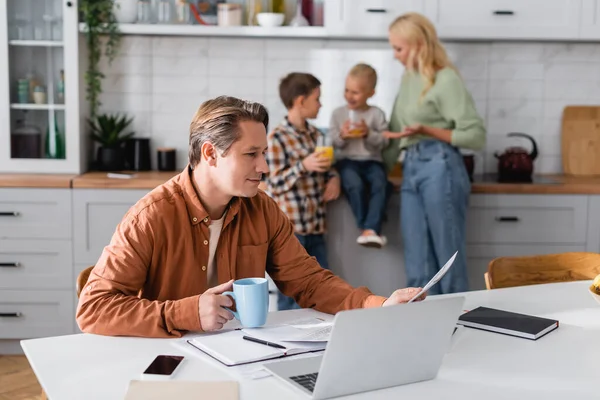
x=125, y=11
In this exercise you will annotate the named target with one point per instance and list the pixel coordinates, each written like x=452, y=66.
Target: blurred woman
x=434, y=115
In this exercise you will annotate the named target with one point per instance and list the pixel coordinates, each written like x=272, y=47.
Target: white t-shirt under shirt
x=214, y=229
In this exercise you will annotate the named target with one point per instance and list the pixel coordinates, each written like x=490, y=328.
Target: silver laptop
x=376, y=348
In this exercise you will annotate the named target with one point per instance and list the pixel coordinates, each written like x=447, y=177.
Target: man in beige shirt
x=182, y=245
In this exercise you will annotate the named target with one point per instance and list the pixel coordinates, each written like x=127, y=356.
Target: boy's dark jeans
x=316, y=247
x=365, y=185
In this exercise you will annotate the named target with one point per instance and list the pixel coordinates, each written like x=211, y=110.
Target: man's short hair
x=295, y=85
x=217, y=121
x=365, y=71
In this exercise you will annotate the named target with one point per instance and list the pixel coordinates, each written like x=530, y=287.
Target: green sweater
x=447, y=104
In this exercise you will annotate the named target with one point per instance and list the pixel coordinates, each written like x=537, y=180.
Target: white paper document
x=315, y=333
x=436, y=278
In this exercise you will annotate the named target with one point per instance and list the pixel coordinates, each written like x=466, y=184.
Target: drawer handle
x=11, y=314
x=10, y=265
x=504, y=12
x=9, y=213
x=376, y=10
x=507, y=219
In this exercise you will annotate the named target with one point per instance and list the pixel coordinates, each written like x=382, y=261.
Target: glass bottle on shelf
x=299, y=19
x=276, y=6
x=60, y=88
x=253, y=7
x=164, y=12
x=182, y=11
x=144, y=12
x=54, y=143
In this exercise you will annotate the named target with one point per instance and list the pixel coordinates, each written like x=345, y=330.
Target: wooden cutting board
x=580, y=140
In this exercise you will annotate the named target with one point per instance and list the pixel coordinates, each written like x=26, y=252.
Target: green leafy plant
x=109, y=129
x=99, y=20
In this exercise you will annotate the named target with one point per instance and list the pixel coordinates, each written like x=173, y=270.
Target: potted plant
x=109, y=130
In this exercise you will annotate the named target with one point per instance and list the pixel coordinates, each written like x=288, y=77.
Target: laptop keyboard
x=308, y=381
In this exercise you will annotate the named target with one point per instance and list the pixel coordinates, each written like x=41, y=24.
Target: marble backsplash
x=517, y=86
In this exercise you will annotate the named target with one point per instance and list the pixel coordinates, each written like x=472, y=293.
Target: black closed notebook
x=508, y=323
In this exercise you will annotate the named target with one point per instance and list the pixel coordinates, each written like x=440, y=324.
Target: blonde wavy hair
x=431, y=56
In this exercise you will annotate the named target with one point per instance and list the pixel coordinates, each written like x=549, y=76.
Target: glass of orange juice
x=355, y=129
x=325, y=147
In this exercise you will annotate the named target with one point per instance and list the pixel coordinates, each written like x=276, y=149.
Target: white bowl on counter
x=270, y=20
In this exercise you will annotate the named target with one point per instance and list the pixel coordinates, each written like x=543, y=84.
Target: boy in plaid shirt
x=301, y=180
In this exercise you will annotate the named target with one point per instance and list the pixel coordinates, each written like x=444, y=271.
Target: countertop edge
x=151, y=179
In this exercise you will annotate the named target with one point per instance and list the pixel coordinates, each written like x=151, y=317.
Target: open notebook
x=231, y=348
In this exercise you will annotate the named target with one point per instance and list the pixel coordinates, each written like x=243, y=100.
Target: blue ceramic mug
x=251, y=296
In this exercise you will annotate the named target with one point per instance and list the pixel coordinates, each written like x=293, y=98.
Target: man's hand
x=332, y=190
x=403, y=296
x=212, y=314
x=315, y=162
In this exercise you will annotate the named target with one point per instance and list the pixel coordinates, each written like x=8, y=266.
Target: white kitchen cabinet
x=96, y=214
x=36, y=264
x=365, y=18
x=40, y=87
x=527, y=219
x=35, y=313
x=590, y=19
x=505, y=19
x=27, y=213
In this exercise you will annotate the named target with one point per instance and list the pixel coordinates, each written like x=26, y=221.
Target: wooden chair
x=82, y=279
x=506, y=272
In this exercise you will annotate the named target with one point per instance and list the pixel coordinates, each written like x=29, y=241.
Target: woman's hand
x=413, y=130
x=391, y=135
x=408, y=131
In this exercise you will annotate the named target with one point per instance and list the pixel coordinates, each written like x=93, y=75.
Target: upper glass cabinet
x=41, y=69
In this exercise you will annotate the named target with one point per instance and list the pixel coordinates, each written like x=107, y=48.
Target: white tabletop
x=563, y=364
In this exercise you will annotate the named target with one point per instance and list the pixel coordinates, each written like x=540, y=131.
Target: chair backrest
x=82, y=279
x=532, y=270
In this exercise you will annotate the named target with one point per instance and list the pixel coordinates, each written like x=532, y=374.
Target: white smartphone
x=162, y=368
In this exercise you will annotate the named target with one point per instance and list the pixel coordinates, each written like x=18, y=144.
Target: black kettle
x=516, y=163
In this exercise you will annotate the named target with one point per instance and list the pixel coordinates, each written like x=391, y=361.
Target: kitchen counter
x=62, y=181
x=542, y=184
x=139, y=180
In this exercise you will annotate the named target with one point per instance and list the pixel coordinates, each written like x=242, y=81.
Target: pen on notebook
x=255, y=340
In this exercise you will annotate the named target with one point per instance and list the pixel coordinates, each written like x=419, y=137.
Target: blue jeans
x=434, y=199
x=365, y=185
x=315, y=246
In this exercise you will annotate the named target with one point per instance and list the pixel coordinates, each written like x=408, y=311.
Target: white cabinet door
x=96, y=214
x=527, y=219
x=590, y=19
x=365, y=18
x=505, y=19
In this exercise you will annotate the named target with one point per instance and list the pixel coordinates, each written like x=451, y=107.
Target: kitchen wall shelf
x=56, y=107
x=36, y=43
x=204, y=30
